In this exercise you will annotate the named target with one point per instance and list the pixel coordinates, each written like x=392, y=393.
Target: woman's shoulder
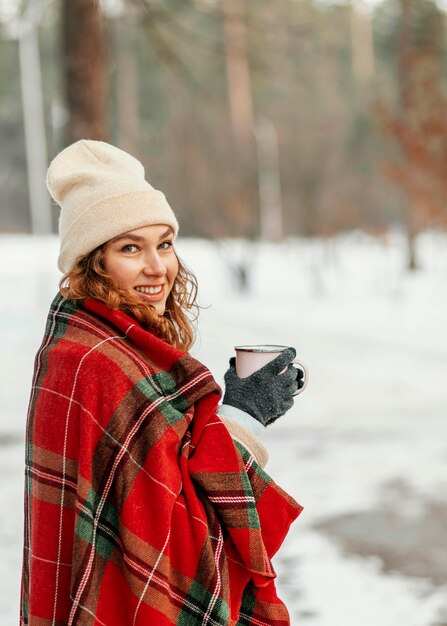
x=73, y=332
x=96, y=338
x=70, y=325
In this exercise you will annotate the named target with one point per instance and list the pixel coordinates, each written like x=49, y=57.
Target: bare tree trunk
x=404, y=55
x=404, y=72
x=412, y=263
x=127, y=86
x=84, y=69
x=241, y=112
x=238, y=72
x=362, y=53
x=269, y=180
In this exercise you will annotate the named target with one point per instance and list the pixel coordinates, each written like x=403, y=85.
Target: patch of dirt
x=408, y=533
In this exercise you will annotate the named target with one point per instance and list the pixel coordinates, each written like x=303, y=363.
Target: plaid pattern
x=139, y=507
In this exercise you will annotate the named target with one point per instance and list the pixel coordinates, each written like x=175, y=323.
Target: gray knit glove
x=266, y=394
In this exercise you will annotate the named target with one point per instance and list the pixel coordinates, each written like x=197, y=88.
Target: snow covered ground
x=364, y=449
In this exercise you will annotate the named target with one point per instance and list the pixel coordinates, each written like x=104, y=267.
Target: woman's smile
x=152, y=293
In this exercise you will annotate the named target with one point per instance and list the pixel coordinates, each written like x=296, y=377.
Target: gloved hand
x=299, y=377
x=266, y=394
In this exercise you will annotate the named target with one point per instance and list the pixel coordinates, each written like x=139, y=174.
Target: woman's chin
x=158, y=305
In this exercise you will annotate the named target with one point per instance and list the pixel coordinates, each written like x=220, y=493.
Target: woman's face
x=143, y=261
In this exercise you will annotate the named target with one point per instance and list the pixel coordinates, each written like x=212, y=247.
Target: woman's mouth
x=151, y=291
x=151, y=294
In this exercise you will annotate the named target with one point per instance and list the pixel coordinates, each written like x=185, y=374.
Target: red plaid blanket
x=139, y=507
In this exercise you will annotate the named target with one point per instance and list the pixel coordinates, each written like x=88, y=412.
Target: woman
x=142, y=505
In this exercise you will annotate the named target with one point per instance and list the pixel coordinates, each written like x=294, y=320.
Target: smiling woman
x=143, y=260
x=140, y=273
x=145, y=502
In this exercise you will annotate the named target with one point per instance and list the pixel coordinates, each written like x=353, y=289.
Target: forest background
x=260, y=119
x=302, y=145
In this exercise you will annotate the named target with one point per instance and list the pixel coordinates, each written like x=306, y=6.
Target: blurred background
x=303, y=146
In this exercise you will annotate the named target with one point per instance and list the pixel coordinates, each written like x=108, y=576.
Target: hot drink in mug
x=252, y=358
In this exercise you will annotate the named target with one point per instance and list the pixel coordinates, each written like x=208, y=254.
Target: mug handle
x=306, y=376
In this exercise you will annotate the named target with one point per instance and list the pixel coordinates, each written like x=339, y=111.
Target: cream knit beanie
x=102, y=193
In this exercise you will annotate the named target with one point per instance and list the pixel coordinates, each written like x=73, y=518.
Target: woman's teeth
x=150, y=290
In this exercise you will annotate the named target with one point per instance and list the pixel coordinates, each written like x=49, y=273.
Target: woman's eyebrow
x=168, y=232
x=129, y=236
x=138, y=238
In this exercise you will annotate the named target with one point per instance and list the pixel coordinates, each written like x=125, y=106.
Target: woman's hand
x=267, y=393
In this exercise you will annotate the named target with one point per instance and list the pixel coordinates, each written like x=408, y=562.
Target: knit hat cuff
x=115, y=215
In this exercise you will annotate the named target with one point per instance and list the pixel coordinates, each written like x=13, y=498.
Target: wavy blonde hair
x=88, y=279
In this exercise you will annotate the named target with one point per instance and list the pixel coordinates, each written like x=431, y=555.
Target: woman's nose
x=154, y=266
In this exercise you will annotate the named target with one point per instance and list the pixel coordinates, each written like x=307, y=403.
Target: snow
x=373, y=415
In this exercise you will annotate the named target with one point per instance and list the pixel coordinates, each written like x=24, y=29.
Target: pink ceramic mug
x=252, y=358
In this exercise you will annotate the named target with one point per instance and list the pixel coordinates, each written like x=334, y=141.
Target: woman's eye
x=130, y=247
x=166, y=245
